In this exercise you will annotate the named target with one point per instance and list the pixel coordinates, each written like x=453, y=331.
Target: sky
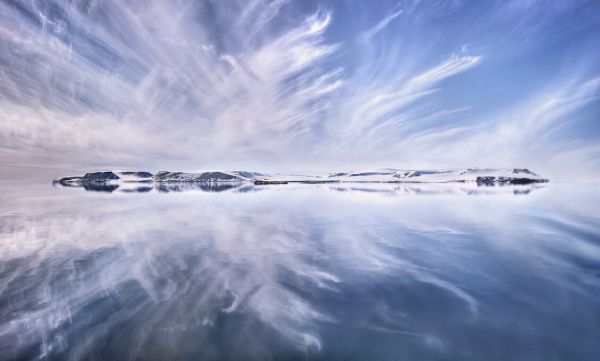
x=300, y=86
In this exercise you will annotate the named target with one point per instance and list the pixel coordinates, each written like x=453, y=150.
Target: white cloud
x=368, y=34
x=263, y=84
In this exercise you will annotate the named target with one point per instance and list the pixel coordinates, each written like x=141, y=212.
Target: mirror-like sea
x=300, y=272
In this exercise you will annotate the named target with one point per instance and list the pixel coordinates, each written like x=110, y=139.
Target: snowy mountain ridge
x=387, y=175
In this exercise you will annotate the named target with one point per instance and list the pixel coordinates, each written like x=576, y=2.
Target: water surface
x=300, y=272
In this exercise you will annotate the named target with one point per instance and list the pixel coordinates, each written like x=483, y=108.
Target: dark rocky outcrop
x=486, y=181
x=99, y=177
x=362, y=174
x=491, y=180
x=88, y=178
x=523, y=171
x=525, y=180
x=407, y=174
x=266, y=182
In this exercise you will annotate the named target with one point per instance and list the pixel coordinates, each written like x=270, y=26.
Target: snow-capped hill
x=484, y=176
x=162, y=176
x=106, y=177
x=212, y=176
x=165, y=176
x=249, y=175
x=524, y=171
x=406, y=174
x=96, y=177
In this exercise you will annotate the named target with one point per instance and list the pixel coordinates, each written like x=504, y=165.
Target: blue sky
x=300, y=85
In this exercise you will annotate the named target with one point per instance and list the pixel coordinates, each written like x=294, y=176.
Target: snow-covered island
x=480, y=177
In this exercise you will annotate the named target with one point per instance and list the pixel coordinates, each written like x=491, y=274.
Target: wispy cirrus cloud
x=366, y=36
x=388, y=103
x=154, y=72
x=282, y=85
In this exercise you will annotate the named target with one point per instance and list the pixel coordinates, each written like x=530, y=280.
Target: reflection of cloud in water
x=111, y=266
x=161, y=275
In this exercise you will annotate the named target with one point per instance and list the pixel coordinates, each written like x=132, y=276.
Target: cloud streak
x=285, y=86
x=366, y=36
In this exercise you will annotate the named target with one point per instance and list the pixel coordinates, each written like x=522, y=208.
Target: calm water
x=297, y=272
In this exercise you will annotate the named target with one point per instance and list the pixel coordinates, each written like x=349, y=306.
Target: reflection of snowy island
x=218, y=181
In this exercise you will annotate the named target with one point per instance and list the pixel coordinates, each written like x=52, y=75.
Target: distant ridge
x=484, y=177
